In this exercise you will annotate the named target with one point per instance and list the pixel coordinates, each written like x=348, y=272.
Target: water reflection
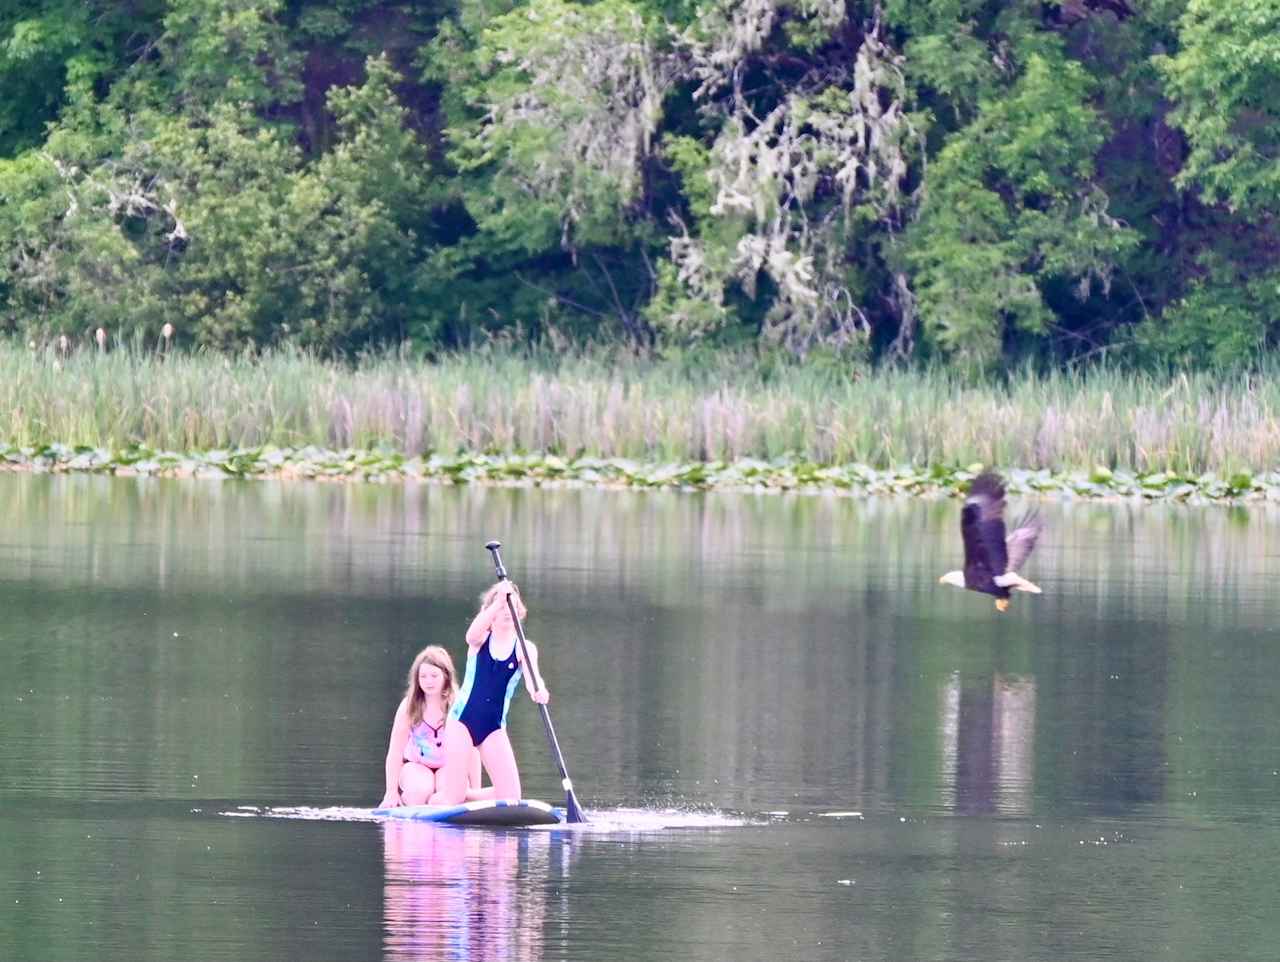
x=988, y=744
x=455, y=894
x=169, y=644
x=214, y=607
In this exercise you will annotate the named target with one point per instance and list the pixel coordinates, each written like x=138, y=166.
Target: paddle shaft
x=574, y=810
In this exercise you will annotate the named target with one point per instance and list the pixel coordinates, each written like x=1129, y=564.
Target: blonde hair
x=502, y=587
x=417, y=700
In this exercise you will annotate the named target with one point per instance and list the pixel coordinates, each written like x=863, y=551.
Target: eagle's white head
x=953, y=578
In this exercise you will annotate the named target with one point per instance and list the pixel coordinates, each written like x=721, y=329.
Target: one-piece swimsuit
x=487, y=689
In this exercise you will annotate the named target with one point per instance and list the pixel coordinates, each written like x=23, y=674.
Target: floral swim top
x=425, y=745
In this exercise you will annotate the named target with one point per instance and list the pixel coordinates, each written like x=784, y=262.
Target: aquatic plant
x=704, y=422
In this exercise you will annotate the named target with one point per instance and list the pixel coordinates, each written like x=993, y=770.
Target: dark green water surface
x=1093, y=776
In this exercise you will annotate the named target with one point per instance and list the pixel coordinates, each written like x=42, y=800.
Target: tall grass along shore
x=496, y=415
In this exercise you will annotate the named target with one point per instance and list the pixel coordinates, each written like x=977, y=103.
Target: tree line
x=962, y=181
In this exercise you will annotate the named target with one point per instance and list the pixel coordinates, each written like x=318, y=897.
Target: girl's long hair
x=435, y=655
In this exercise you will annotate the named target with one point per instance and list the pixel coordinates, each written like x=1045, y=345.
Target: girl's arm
x=483, y=621
x=538, y=690
x=395, y=756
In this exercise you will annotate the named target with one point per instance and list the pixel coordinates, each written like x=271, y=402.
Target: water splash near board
x=659, y=819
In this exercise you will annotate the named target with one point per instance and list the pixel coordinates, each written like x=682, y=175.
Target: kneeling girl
x=416, y=755
x=478, y=718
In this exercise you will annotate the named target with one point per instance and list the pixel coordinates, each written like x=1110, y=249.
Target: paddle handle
x=493, y=547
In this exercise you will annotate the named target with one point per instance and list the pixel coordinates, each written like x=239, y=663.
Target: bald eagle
x=992, y=560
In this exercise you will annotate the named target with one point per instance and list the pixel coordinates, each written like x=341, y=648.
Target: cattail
x=100, y=335
x=166, y=333
x=64, y=345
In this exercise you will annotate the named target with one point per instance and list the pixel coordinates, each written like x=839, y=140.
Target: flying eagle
x=992, y=560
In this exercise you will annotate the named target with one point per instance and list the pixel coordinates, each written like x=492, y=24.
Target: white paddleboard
x=492, y=812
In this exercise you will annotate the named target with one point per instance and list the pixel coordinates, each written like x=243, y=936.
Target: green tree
x=973, y=179
x=553, y=109
x=1012, y=202
x=216, y=225
x=1223, y=82
x=793, y=178
x=51, y=47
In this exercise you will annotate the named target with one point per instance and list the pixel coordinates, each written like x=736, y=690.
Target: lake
x=795, y=742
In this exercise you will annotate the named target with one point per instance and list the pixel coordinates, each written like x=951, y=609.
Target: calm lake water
x=1093, y=776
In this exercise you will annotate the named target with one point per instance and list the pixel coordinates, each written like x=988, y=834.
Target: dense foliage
x=973, y=180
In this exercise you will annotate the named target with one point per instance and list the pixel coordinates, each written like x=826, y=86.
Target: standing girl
x=416, y=756
x=478, y=718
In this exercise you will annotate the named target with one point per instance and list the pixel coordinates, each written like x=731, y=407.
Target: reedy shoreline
x=593, y=419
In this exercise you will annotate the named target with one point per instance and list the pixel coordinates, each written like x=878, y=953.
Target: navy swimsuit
x=486, y=692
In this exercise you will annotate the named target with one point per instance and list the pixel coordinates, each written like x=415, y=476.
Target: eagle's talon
x=1002, y=604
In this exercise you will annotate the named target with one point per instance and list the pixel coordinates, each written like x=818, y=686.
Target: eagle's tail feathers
x=1011, y=579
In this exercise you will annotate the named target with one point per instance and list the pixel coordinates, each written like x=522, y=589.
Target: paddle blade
x=572, y=810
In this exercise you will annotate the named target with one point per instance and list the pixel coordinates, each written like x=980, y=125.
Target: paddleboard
x=495, y=813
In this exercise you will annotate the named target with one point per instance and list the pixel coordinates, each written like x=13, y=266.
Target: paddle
x=573, y=811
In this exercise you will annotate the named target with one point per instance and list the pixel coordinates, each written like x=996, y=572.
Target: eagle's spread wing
x=1022, y=540
x=982, y=527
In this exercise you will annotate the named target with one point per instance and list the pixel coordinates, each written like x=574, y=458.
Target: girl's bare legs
x=417, y=783
x=474, y=792
x=500, y=762
x=451, y=781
